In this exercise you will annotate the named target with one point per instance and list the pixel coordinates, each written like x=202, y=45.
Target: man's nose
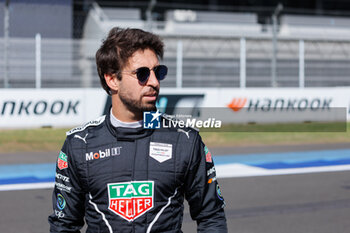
x=153, y=81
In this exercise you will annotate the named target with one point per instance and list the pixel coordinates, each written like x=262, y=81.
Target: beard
x=136, y=106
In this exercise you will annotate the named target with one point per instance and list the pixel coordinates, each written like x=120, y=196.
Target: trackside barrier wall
x=30, y=108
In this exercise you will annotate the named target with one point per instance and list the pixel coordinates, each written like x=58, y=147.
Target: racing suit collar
x=127, y=134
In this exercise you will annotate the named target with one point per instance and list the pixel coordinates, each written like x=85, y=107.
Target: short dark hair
x=119, y=46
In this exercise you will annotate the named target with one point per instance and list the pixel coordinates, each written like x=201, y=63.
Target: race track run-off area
x=289, y=192
x=37, y=176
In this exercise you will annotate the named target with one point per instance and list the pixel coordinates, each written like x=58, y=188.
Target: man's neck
x=118, y=123
x=125, y=115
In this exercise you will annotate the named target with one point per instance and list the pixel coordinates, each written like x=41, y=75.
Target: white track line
x=222, y=171
x=28, y=186
x=241, y=170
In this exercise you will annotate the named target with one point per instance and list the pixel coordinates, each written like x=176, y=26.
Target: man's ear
x=112, y=81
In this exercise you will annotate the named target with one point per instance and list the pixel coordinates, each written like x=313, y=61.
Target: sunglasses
x=143, y=73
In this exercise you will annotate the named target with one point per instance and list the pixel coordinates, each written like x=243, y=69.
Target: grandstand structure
x=203, y=49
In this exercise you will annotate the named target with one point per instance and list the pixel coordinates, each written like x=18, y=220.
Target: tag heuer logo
x=208, y=158
x=62, y=161
x=130, y=200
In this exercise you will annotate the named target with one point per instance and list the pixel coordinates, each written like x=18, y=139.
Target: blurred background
x=248, y=59
x=213, y=43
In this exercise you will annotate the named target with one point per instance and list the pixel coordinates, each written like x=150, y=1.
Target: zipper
x=133, y=176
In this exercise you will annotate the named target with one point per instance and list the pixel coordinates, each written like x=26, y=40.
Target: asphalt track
x=306, y=203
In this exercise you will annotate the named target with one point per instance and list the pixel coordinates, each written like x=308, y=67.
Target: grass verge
x=51, y=139
x=278, y=134
x=25, y=140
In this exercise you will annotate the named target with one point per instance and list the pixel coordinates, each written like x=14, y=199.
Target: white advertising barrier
x=267, y=105
x=272, y=105
x=27, y=108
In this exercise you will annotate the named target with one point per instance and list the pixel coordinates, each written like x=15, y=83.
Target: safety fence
x=192, y=61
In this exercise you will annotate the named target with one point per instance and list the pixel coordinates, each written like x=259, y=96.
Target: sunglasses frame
x=138, y=70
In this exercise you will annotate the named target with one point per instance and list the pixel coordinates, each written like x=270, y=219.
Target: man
x=122, y=177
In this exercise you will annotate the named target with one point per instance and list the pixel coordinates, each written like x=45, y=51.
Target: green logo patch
x=130, y=200
x=62, y=161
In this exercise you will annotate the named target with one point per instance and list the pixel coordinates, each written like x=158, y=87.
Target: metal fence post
x=179, y=57
x=149, y=10
x=242, y=64
x=274, y=52
x=276, y=12
x=301, y=64
x=6, y=43
x=37, y=61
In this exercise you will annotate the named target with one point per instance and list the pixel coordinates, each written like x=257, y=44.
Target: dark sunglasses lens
x=143, y=74
x=161, y=71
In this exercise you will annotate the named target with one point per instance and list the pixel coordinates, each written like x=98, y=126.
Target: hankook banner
x=28, y=108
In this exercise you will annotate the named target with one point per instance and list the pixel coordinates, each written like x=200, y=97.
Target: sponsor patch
x=59, y=214
x=101, y=154
x=62, y=161
x=96, y=122
x=211, y=171
x=208, y=158
x=63, y=187
x=130, y=200
x=187, y=133
x=61, y=202
x=218, y=192
x=81, y=138
x=160, y=151
x=212, y=180
x=62, y=177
